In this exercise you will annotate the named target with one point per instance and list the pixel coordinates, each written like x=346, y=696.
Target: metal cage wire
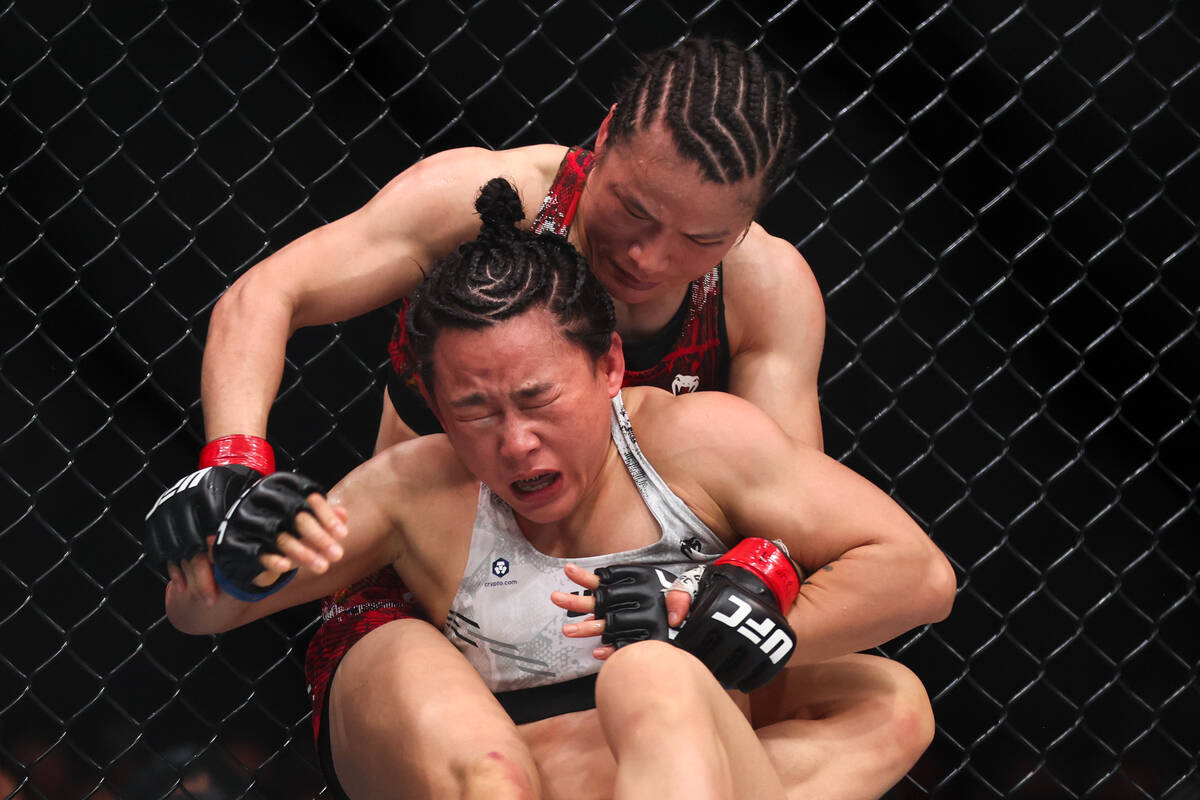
x=998, y=199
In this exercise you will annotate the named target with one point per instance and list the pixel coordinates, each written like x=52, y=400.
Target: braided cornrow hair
x=726, y=111
x=502, y=274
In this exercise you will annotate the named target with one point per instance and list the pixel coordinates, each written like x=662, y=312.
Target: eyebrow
x=639, y=208
x=478, y=398
x=473, y=399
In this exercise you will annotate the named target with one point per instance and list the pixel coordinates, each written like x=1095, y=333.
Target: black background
x=999, y=200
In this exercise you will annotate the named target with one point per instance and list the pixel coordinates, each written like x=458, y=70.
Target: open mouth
x=535, y=484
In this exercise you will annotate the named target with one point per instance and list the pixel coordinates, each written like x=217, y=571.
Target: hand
x=317, y=546
x=585, y=604
x=181, y=524
x=628, y=598
x=280, y=524
x=738, y=626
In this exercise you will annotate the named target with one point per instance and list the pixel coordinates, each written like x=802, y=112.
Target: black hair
x=726, y=111
x=503, y=273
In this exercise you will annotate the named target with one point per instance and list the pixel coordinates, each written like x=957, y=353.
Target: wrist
x=251, y=451
x=769, y=563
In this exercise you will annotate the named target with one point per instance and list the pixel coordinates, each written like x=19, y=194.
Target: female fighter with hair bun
x=550, y=477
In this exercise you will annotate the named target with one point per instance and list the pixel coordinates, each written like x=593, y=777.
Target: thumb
x=679, y=602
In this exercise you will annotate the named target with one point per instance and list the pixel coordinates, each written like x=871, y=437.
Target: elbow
x=941, y=586
x=250, y=297
x=192, y=617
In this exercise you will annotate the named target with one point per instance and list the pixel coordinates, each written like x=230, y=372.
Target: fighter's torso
x=501, y=617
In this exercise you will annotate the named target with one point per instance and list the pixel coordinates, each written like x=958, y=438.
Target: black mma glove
x=632, y=603
x=737, y=625
x=192, y=509
x=250, y=529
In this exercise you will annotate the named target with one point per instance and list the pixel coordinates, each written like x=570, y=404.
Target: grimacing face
x=527, y=410
x=652, y=223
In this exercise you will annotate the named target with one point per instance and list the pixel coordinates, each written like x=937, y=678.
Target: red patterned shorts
x=348, y=616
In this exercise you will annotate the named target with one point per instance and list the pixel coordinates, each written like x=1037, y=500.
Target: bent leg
x=844, y=729
x=675, y=732
x=409, y=717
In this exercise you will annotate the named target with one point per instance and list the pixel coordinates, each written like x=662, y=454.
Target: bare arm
x=345, y=268
x=776, y=320
x=873, y=573
x=372, y=503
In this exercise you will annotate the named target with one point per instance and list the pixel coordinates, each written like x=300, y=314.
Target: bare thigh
x=573, y=759
x=409, y=717
x=844, y=728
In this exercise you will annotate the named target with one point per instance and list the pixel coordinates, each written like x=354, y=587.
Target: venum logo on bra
x=500, y=568
x=685, y=384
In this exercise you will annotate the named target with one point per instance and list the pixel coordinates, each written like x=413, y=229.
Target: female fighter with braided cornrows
x=541, y=486
x=704, y=298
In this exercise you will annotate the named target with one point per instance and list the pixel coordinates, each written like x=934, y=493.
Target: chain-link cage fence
x=999, y=199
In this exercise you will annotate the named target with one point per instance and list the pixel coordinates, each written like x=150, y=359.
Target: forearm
x=243, y=360
x=870, y=595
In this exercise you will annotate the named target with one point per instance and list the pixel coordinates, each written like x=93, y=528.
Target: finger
x=577, y=603
x=194, y=583
x=602, y=652
x=584, y=628
x=274, y=565
x=317, y=537
x=342, y=513
x=176, y=577
x=326, y=515
x=202, y=574
x=300, y=555
x=679, y=603
x=584, y=577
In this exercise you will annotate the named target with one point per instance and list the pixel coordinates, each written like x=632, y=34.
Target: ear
x=602, y=134
x=612, y=366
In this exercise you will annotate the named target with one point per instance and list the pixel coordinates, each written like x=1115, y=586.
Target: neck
x=638, y=321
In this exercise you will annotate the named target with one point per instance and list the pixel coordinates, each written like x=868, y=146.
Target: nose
x=649, y=253
x=518, y=439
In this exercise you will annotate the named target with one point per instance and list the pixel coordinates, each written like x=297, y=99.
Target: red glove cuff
x=770, y=563
x=251, y=451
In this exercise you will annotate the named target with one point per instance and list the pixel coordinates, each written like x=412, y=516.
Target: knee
x=648, y=668
x=906, y=723
x=500, y=773
x=651, y=684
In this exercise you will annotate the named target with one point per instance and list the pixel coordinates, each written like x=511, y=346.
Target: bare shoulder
x=768, y=284
x=426, y=463
x=704, y=443
x=424, y=468
x=695, y=431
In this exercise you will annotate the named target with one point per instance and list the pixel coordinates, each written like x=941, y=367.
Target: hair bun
x=500, y=208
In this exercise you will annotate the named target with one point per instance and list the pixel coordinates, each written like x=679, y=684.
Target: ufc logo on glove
x=777, y=643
